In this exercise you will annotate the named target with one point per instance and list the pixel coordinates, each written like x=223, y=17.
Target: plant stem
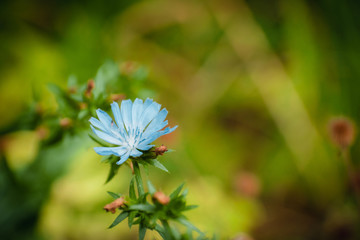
x=138, y=179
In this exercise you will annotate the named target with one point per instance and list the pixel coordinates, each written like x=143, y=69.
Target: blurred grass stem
x=350, y=168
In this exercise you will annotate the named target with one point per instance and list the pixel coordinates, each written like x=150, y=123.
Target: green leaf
x=113, y=170
x=187, y=224
x=157, y=164
x=119, y=219
x=190, y=207
x=114, y=195
x=185, y=192
x=131, y=218
x=175, y=193
x=142, y=231
x=132, y=189
x=143, y=207
x=151, y=188
x=160, y=230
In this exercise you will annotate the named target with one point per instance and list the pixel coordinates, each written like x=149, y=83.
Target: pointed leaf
x=131, y=218
x=186, y=223
x=151, y=188
x=142, y=231
x=119, y=219
x=190, y=207
x=175, y=193
x=112, y=172
x=160, y=230
x=143, y=207
x=114, y=195
x=157, y=164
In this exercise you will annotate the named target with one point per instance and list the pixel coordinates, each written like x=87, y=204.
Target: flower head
x=137, y=124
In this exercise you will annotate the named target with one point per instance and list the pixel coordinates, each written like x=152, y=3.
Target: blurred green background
x=251, y=84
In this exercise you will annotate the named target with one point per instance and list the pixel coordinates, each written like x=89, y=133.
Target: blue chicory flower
x=136, y=126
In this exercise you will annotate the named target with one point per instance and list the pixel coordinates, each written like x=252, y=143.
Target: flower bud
x=42, y=132
x=161, y=198
x=90, y=86
x=111, y=207
x=65, y=122
x=128, y=67
x=342, y=132
x=161, y=150
x=247, y=184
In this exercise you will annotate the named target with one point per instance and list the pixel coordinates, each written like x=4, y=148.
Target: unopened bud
x=65, y=122
x=111, y=207
x=83, y=106
x=128, y=68
x=247, y=184
x=116, y=97
x=161, y=150
x=342, y=131
x=161, y=198
x=42, y=132
x=90, y=86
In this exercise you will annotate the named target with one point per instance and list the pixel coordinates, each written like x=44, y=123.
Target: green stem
x=138, y=178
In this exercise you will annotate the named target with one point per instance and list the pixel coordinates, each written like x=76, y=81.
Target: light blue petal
x=126, y=113
x=156, y=123
x=137, y=110
x=117, y=151
x=155, y=136
x=104, y=118
x=106, y=137
x=148, y=132
x=147, y=103
x=148, y=115
x=135, y=153
x=117, y=115
x=123, y=158
x=145, y=147
x=96, y=123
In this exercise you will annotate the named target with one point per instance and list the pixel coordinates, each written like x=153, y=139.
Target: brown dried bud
x=65, y=122
x=90, y=86
x=116, y=97
x=247, y=184
x=161, y=150
x=111, y=207
x=342, y=131
x=161, y=198
x=42, y=132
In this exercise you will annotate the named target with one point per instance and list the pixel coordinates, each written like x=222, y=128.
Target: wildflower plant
x=129, y=137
